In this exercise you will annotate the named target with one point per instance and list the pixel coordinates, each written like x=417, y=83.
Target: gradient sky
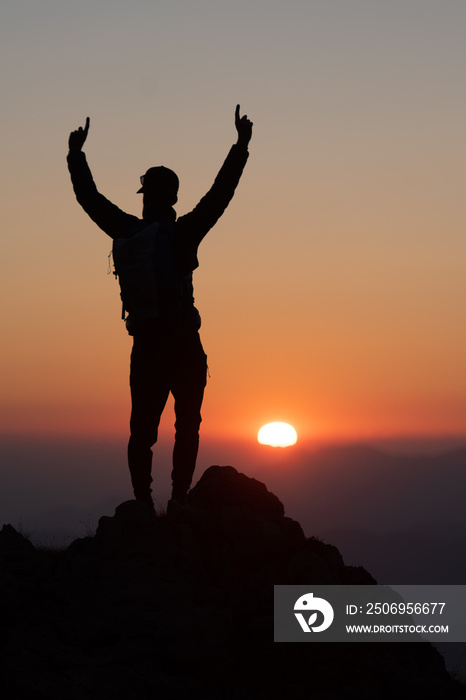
x=332, y=291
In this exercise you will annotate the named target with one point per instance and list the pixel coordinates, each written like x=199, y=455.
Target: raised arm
x=193, y=227
x=106, y=215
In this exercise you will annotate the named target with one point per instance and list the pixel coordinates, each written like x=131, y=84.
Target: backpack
x=150, y=283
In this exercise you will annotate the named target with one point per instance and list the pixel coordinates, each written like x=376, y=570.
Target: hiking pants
x=160, y=364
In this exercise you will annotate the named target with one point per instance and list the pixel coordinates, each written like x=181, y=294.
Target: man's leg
x=149, y=382
x=188, y=389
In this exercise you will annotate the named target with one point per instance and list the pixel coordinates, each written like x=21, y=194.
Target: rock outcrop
x=182, y=606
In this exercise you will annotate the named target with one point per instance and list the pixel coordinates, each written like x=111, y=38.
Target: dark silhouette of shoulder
x=190, y=228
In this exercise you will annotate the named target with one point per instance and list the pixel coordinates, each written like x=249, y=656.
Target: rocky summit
x=181, y=606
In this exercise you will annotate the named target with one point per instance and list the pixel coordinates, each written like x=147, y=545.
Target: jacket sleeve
x=106, y=215
x=192, y=227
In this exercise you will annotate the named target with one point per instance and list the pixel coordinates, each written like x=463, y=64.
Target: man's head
x=159, y=186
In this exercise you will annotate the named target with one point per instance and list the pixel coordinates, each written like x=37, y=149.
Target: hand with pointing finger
x=243, y=127
x=77, y=138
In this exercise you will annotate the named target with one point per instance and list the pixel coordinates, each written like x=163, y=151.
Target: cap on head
x=162, y=182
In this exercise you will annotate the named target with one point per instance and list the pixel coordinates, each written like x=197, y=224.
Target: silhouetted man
x=157, y=294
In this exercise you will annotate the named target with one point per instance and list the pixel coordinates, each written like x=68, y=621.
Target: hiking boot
x=144, y=497
x=175, y=509
x=179, y=495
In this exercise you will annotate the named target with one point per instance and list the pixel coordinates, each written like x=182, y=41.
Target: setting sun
x=277, y=435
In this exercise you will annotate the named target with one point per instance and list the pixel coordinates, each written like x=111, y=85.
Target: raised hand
x=77, y=138
x=243, y=127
